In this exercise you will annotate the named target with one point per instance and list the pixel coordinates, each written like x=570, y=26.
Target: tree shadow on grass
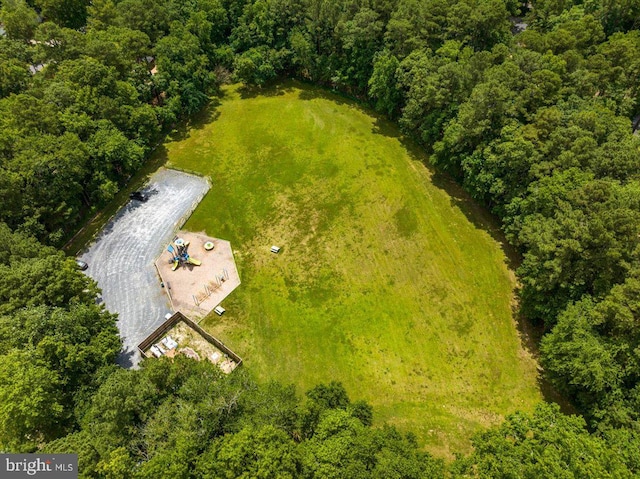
x=477, y=215
x=530, y=336
x=208, y=114
x=312, y=92
x=383, y=126
x=530, y=333
x=272, y=89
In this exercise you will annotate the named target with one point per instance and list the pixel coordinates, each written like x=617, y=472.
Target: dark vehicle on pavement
x=81, y=265
x=139, y=196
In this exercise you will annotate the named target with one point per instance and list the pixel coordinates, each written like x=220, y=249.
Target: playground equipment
x=180, y=255
x=210, y=287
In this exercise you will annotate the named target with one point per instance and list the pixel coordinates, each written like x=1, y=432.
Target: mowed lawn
x=383, y=283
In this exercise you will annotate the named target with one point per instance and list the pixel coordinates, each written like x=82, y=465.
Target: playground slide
x=193, y=261
x=175, y=265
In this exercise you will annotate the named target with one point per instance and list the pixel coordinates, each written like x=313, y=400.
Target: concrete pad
x=194, y=290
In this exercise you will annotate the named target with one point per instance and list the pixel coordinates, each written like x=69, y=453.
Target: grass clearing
x=385, y=281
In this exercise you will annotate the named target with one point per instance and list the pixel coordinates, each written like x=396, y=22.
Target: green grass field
x=389, y=279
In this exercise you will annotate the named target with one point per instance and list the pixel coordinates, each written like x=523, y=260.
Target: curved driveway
x=122, y=258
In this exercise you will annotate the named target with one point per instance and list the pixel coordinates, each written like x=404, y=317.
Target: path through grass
x=383, y=282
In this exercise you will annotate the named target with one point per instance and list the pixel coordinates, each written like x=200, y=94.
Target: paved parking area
x=122, y=257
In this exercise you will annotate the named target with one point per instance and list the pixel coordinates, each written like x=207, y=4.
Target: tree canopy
x=537, y=125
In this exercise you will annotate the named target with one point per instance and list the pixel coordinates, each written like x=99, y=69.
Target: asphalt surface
x=122, y=257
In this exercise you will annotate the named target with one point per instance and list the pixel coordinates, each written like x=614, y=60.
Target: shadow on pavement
x=127, y=359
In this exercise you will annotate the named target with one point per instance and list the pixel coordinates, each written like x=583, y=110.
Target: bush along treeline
x=536, y=124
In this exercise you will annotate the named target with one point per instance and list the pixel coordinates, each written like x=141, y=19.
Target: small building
x=275, y=249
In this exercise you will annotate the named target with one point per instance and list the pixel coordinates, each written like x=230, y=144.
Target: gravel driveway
x=122, y=257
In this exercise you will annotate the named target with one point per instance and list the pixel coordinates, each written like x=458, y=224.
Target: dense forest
x=536, y=124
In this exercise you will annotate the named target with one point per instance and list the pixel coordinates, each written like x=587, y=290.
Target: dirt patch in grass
x=182, y=339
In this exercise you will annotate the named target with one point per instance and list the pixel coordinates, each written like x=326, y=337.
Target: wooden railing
x=175, y=319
